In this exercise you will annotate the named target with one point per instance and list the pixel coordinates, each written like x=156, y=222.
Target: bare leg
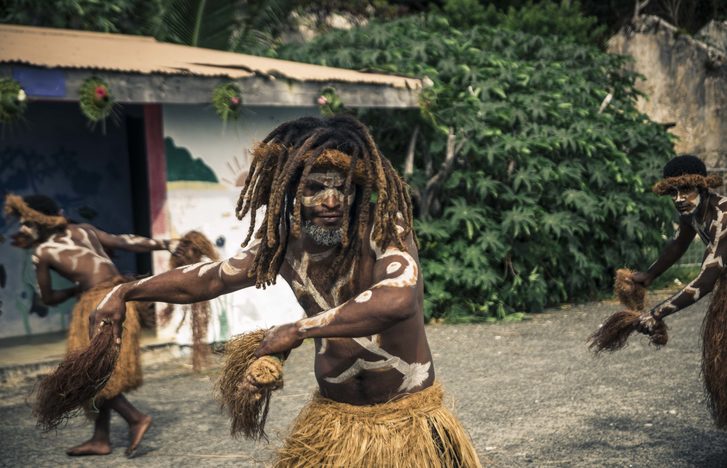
x=138, y=422
x=99, y=444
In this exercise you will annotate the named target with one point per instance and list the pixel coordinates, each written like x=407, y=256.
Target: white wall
x=209, y=207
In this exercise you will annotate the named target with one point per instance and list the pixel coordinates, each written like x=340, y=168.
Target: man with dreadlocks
x=78, y=252
x=702, y=212
x=353, y=266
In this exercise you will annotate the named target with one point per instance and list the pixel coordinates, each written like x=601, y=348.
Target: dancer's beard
x=324, y=236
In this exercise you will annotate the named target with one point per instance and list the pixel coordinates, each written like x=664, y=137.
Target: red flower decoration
x=235, y=100
x=101, y=92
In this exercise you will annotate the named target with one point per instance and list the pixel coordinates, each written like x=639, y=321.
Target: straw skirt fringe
x=416, y=431
x=127, y=373
x=714, y=353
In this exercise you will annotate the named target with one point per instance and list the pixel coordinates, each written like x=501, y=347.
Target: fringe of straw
x=200, y=322
x=414, y=431
x=714, y=354
x=246, y=384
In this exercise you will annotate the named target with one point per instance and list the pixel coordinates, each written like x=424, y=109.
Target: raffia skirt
x=714, y=353
x=127, y=373
x=416, y=431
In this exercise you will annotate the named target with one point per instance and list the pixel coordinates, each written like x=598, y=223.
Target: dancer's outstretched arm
x=184, y=285
x=672, y=252
x=714, y=262
x=129, y=242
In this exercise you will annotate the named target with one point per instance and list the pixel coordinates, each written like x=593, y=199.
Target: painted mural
x=207, y=163
x=54, y=153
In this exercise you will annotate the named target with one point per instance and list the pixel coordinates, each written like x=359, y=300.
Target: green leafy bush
x=547, y=195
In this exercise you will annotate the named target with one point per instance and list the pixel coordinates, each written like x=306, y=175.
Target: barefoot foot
x=90, y=447
x=136, y=433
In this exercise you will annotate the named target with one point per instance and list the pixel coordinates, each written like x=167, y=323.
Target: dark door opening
x=139, y=184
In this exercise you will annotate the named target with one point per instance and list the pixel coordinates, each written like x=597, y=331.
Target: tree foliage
x=117, y=16
x=547, y=194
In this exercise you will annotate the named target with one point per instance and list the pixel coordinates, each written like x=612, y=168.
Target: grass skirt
x=416, y=431
x=714, y=353
x=127, y=373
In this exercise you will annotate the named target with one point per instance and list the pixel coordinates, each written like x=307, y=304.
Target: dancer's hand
x=111, y=310
x=642, y=278
x=279, y=340
x=171, y=244
x=647, y=324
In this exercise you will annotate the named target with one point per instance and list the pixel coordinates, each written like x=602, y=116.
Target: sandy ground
x=529, y=393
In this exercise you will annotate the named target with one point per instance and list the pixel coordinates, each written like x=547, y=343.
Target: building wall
x=55, y=152
x=207, y=162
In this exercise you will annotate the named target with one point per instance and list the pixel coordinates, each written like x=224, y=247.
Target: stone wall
x=685, y=83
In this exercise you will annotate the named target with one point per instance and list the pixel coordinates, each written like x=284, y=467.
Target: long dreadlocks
x=282, y=162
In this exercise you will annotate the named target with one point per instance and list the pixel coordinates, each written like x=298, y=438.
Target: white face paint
x=686, y=199
x=29, y=229
x=331, y=184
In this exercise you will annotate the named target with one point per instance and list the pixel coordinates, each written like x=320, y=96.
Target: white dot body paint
x=363, y=297
x=392, y=267
x=408, y=277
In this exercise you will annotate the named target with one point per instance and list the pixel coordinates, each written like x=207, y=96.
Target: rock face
x=685, y=82
x=714, y=34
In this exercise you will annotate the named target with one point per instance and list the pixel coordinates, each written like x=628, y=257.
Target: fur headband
x=15, y=205
x=663, y=186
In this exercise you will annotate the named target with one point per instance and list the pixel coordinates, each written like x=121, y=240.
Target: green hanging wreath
x=227, y=101
x=13, y=100
x=96, y=99
x=328, y=102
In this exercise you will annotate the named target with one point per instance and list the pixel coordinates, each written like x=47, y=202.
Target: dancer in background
x=78, y=253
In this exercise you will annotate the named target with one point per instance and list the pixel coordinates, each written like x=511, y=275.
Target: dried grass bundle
x=77, y=380
x=629, y=293
x=615, y=331
x=613, y=334
x=246, y=384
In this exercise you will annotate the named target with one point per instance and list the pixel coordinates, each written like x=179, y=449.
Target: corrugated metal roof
x=63, y=48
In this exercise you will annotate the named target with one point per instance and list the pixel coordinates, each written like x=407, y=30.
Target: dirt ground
x=529, y=393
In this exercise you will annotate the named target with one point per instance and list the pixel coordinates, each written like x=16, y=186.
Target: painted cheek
x=29, y=231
